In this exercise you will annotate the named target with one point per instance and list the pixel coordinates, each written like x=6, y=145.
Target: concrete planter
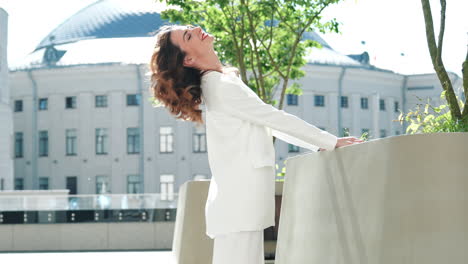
x=394, y=200
x=191, y=245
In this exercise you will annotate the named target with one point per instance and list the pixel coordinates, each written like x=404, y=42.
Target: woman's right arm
x=235, y=100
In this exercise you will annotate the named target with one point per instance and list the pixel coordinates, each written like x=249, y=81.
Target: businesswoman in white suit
x=239, y=128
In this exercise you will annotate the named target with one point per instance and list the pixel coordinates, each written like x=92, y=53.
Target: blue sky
x=388, y=27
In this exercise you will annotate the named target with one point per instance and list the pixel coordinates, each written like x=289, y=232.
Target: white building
x=6, y=117
x=83, y=120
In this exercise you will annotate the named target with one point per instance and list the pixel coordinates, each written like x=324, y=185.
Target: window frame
x=19, y=145
x=382, y=106
x=43, y=104
x=136, y=101
x=70, y=104
x=133, y=140
x=135, y=184
x=43, y=147
x=18, y=106
x=100, y=101
x=319, y=100
x=17, y=181
x=167, y=180
x=292, y=99
x=73, y=142
x=98, y=184
x=101, y=140
x=166, y=137
x=344, y=101
x=40, y=184
x=364, y=102
x=199, y=140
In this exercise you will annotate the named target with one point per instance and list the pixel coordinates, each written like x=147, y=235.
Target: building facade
x=6, y=117
x=86, y=122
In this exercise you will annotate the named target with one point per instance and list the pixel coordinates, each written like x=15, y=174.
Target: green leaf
x=442, y=95
x=428, y=118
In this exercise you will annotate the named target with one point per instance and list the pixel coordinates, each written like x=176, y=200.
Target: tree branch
x=261, y=88
x=441, y=31
x=426, y=6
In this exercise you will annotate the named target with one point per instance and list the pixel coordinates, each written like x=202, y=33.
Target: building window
x=344, y=101
x=383, y=133
x=72, y=185
x=133, y=184
x=102, y=184
x=70, y=102
x=292, y=99
x=18, y=105
x=322, y=128
x=19, y=184
x=199, y=139
x=382, y=105
x=345, y=132
x=167, y=187
x=2, y=184
x=396, y=107
x=166, y=140
x=197, y=177
x=133, y=140
x=293, y=148
x=101, y=141
x=319, y=100
x=18, y=144
x=364, y=103
x=42, y=103
x=100, y=100
x=133, y=99
x=397, y=132
x=70, y=142
x=43, y=183
x=43, y=143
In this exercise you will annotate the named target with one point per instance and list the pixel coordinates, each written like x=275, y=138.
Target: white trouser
x=245, y=247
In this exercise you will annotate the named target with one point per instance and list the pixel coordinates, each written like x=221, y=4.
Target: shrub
x=429, y=119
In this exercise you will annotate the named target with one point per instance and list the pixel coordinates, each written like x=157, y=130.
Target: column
x=355, y=110
x=331, y=104
x=375, y=109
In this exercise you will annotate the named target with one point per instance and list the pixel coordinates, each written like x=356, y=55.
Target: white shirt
x=241, y=154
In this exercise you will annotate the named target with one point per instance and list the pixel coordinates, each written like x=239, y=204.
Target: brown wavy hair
x=175, y=86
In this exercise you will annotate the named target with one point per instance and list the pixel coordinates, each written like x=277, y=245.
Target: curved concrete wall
x=190, y=244
x=395, y=200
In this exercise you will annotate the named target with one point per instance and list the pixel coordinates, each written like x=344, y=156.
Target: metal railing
x=85, y=202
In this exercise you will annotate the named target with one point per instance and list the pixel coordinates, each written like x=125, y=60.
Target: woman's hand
x=344, y=141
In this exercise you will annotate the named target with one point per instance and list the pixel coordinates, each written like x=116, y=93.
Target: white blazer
x=241, y=154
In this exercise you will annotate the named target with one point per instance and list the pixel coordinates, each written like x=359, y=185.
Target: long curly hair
x=175, y=86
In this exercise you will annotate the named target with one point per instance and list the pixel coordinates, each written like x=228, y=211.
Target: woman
x=239, y=127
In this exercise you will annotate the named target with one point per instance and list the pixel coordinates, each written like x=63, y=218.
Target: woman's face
x=193, y=41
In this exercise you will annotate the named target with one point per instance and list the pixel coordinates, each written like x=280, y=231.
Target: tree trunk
x=465, y=89
x=436, y=56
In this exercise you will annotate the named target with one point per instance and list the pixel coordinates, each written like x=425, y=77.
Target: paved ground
x=127, y=257
x=153, y=257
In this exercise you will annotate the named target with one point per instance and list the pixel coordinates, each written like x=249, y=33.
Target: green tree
x=262, y=38
x=457, y=117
